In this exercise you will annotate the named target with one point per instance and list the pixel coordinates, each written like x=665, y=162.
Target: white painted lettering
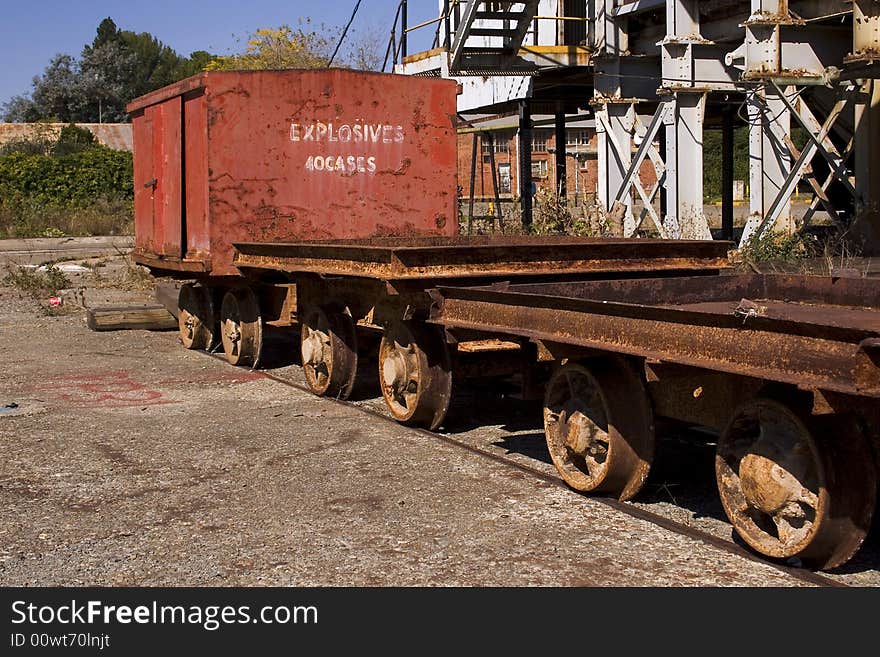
x=344, y=133
x=294, y=132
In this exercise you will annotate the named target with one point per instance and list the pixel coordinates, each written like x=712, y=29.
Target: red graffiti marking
x=236, y=376
x=102, y=390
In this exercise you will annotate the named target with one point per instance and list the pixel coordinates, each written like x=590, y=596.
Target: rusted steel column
x=866, y=50
x=525, y=163
x=560, y=156
x=727, y=174
x=498, y=215
x=866, y=228
x=470, y=219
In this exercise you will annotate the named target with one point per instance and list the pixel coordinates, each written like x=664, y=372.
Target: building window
x=502, y=145
x=539, y=142
x=539, y=169
x=504, y=179
x=577, y=138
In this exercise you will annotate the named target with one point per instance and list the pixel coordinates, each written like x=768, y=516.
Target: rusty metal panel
x=167, y=171
x=195, y=167
x=481, y=256
x=809, y=335
x=157, y=180
x=142, y=140
x=323, y=154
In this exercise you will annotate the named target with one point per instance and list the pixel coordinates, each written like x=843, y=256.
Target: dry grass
x=102, y=217
x=36, y=283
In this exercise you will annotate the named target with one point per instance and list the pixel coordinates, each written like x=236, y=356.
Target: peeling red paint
x=290, y=155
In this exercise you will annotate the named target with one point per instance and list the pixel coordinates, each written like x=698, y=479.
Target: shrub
x=81, y=189
x=74, y=139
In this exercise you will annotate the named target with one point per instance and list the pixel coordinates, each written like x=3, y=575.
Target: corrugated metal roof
x=112, y=135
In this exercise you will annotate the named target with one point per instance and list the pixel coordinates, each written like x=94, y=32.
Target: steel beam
x=614, y=127
x=769, y=159
x=865, y=233
x=684, y=123
x=684, y=168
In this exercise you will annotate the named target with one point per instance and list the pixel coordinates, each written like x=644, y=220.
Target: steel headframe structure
x=661, y=70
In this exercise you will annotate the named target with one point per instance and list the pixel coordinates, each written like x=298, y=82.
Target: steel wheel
x=795, y=488
x=196, y=318
x=328, y=344
x=415, y=373
x=599, y=427
x=241, y=328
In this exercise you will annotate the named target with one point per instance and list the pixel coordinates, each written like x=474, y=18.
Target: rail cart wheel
x=415, y=373
x=329, y=352
x=241, y=329
x=599, y=427
x=197, y=317
x=793, y=487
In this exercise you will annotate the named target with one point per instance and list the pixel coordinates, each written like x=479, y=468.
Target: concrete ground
x=128, y=460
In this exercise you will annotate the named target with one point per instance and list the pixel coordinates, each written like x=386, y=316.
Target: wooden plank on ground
x=166, y=294
x=151, y=317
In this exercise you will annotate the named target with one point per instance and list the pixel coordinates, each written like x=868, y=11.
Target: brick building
x=501, y=135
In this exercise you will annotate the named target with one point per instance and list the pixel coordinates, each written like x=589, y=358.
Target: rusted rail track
x=657, y=519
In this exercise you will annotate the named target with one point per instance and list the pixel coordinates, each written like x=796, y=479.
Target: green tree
x=118, y=66
x=55, y=97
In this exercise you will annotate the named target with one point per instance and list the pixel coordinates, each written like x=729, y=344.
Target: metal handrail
x=399, y=46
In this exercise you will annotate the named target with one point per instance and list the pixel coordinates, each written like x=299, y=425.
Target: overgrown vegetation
x=551, y=215
x=37, y=282
x=805, y=252
x=71, y=186
x=554, y=215
x=780, y=248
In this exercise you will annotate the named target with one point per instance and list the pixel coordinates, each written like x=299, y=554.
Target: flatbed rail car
x=785, y=368
x=333, y=289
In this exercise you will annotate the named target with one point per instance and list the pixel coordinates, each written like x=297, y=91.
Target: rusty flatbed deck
x=811, y=331
x=481, y=256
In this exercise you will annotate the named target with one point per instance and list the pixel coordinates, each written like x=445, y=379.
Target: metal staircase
x=506, y=25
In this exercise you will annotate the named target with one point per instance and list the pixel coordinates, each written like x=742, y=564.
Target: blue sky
x=30, y=35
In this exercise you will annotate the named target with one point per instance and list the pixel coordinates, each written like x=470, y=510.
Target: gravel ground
x=130, y=461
